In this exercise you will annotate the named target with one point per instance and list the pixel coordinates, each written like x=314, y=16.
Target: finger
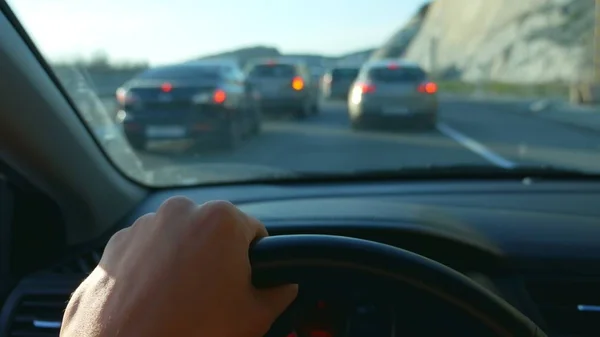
x=251, y=227
x=174, y=208
x=276, y=300
x=254, y=228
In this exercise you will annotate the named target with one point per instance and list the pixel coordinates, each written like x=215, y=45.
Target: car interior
x=491, y=255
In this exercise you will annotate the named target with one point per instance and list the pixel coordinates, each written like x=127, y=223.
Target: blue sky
x=173, y=30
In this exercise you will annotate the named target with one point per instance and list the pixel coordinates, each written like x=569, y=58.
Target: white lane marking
x=475, y=146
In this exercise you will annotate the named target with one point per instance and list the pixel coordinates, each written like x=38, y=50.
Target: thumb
x=276, y=300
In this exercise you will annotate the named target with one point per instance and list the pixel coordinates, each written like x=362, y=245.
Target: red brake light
x=166, y=87
x=121, y=95
x=428, y=88
x=393, y=66
x=365, y=88
x=298, y=83
x=124, y=96
x=219, y=96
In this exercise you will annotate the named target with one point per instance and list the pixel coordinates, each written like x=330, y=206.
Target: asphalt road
x=481, y=133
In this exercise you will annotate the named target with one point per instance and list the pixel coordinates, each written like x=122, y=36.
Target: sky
x=165, y=31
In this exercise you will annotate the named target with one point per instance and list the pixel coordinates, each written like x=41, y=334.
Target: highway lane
x=469, y=132
x=325, y=143
x=486, y=133
x=510, y=131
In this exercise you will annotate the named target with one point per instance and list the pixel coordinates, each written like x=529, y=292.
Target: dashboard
x=534, y=243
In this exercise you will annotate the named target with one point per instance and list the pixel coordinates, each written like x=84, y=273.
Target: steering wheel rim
x=284, y=259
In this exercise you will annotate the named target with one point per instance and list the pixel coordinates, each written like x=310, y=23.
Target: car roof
x=386, y=62
x=345, y=67
x=212, y=62
x=261, y=62
x=183, y=66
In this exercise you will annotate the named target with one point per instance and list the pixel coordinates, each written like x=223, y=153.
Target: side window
x=362, y=74
x=238, y=75
x=302, y=71
x=227, y=74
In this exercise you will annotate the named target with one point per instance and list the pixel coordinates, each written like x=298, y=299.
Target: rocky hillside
x=514, y=41
x=399, y=42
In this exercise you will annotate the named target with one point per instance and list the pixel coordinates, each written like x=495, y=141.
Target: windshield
x=344, y=73
x=180, y=73
x=463, y=84
x=392, y=74
x=272, y=70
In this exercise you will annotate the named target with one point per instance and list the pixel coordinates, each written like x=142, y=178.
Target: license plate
x=165, y=131
x=396, y=110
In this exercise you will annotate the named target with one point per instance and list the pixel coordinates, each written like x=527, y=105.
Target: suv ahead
x=337, y=82
x=282, y=86
x=393, y=93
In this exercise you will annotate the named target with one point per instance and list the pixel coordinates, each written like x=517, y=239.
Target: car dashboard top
x=536, y=244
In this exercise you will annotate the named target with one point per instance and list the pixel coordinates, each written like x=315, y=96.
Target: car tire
x=138, y=143
x=257, y=119
x=356, y=125
x=256, y=128
x=431, y=123
x=301, y=112
x=316, y=108
x=232, y=135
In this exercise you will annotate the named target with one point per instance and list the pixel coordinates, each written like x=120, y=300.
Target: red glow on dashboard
x=320, y=333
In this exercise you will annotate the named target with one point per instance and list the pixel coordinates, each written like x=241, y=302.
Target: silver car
x=283, y=86
x=392, y=93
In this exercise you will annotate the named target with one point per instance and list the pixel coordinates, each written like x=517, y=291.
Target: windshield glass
x=344, y=73
x=464, y=84
x=396, y=74
x=180, y=73
x=272, y=70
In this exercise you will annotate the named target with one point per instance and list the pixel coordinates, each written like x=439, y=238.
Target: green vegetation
x=101, y=63
x=545, y=90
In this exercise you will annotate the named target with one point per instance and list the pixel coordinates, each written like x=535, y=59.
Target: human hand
x=182, y=271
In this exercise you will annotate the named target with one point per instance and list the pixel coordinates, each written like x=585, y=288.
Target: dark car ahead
x=283, y=86
x=337, y=82
x=200, y=102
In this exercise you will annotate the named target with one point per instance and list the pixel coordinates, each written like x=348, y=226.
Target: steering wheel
x=294, y=258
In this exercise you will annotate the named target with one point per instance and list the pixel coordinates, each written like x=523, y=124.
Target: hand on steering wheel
x=186, y=270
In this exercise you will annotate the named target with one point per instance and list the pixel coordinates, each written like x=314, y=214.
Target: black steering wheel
x=294, y=258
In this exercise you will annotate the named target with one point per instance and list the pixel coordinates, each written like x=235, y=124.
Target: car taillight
x=219, y=96
x=365, y=88
x=298, y=83
x=427, y=88
x=124, y=96
x=166, y=87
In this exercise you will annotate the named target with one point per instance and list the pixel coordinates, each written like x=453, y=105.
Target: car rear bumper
x=282, y=104
x=177, y=125
x=336, y=93
x=377, y=119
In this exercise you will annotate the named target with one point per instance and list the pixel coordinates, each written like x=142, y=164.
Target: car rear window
x=344, y=73
x=273, y=70
x=182, y=73
x=400, y=74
